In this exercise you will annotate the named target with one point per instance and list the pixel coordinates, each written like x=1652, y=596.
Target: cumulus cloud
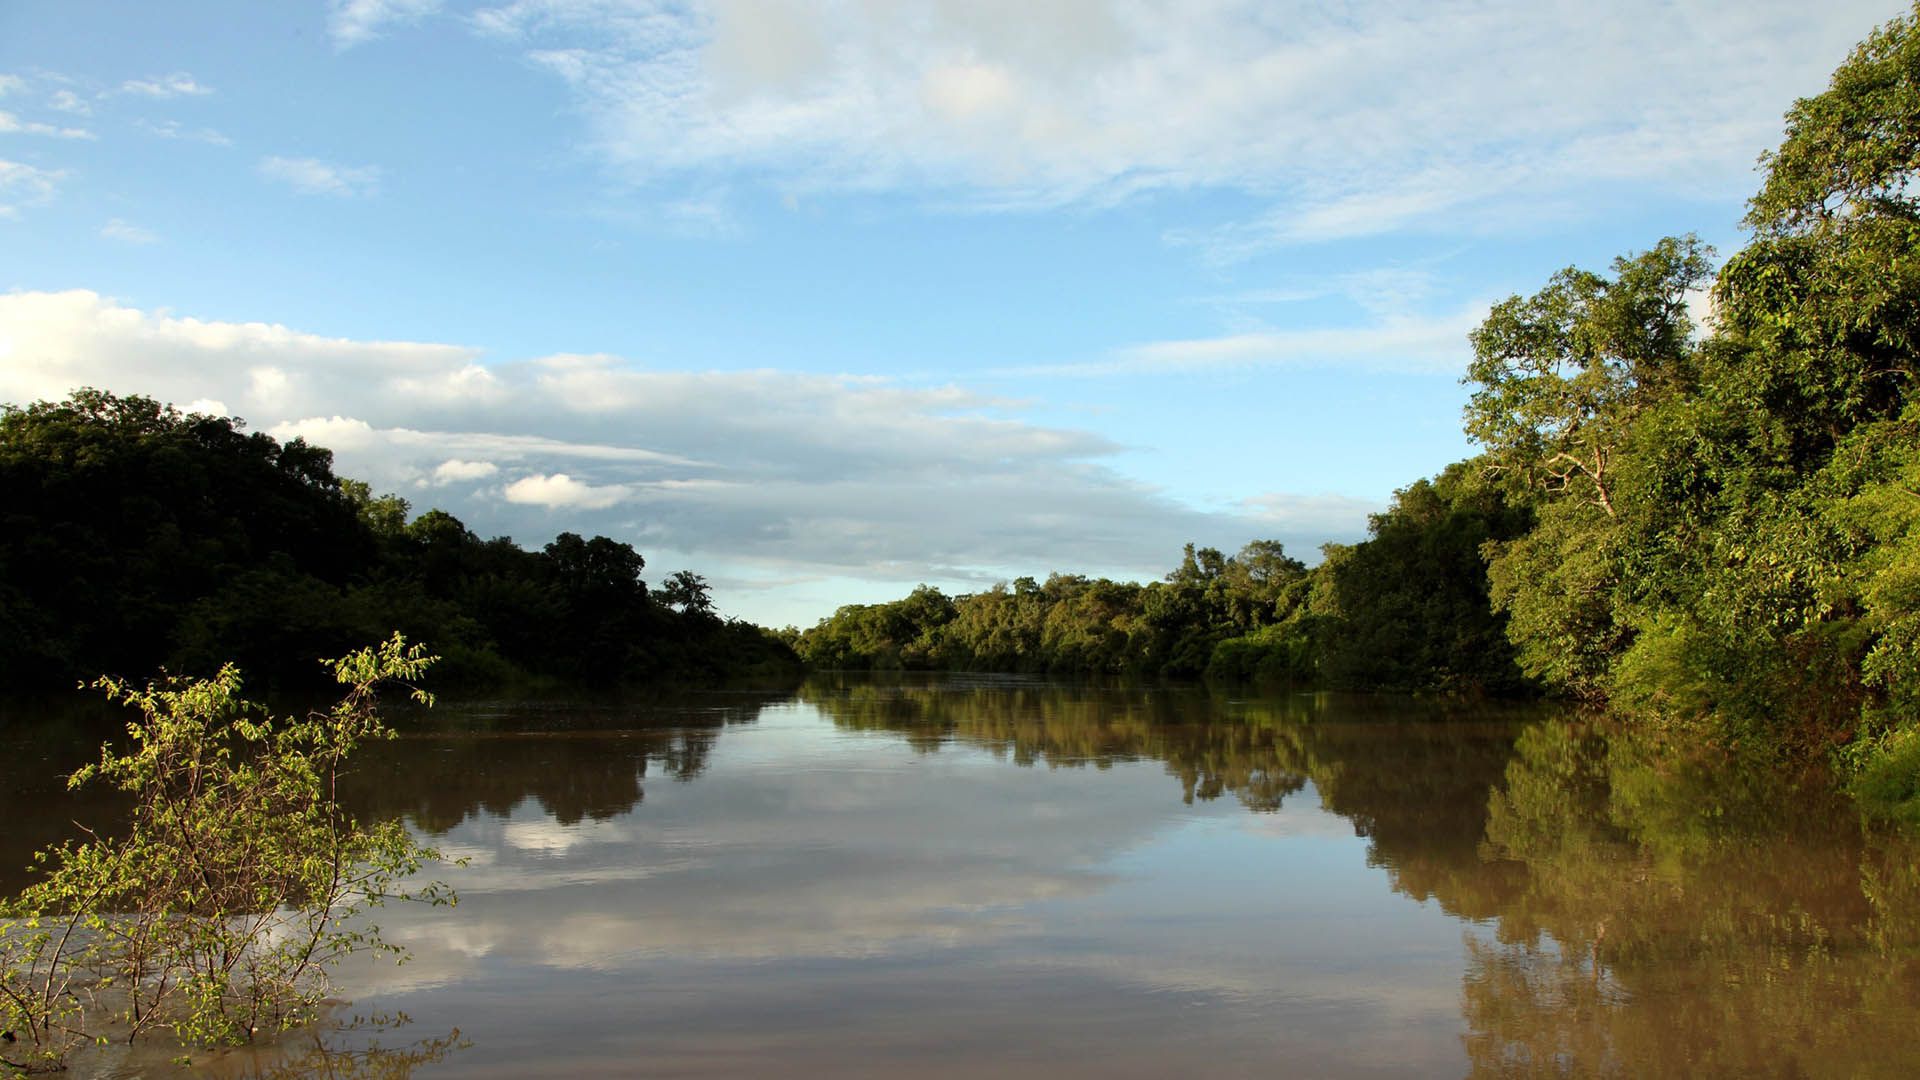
x=454, y=470
x=62, y=340
x=1349, y=125
x=353, y=22
x=311, y=176
x=781, y=476
x=178, y=84
x=562, y=492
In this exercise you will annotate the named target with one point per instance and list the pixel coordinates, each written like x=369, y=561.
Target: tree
x=1413, y=597
x=686, y=592
x=236, y=884
x=1561, y=374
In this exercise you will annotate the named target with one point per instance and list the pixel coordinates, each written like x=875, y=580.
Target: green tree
x=1414, y=612
x=237, y=882
x=1560, y=375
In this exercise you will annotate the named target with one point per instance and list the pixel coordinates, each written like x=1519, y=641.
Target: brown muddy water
x=961, y=876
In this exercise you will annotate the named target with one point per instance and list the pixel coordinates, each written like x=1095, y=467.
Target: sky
x=825, y=300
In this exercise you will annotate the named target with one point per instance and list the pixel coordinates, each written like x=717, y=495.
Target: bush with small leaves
x=237, y=882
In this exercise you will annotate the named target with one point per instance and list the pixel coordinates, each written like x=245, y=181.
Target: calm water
x=962, y=877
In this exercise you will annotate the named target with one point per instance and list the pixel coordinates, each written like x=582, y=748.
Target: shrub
x=235, y=885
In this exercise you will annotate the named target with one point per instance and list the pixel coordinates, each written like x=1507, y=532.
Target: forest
x=1711, y=528
x=134, y=536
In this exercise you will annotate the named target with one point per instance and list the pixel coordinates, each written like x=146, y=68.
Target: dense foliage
x=1713, y=525
x=215, y=913
x=133, y=536
x=1716, y=526
x=1407, y=610
x=1728, y=524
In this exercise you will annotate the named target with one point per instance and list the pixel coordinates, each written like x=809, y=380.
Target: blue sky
x=823, y=300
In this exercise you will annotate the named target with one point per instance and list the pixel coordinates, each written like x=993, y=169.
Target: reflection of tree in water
x=37, y=754
x=1070, y=727
x=1681, y=916
x=336, y=1052
x=578, y=762
x=1649, y=912
x=1412, y=779
x=1644, y=912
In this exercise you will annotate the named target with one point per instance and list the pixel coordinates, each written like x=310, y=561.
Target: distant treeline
x=1406, y=610
x=134, y=536
x=1713, y=525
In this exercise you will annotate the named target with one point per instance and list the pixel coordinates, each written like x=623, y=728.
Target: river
x=967, y=876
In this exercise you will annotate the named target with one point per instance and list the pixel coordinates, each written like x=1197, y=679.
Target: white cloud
x=173, y=129
x=341, y=433
x=353, y=22
x=562, y=492
x=178, y=84
x=13, y=125
x=128, y=233
x=779, y=475
x=67, y=101
x=1700, y=309
x=11, y=84
x=1391, y=342
x=1326, y=515
x=1411, y=113
x=78, y=337
x=454, y=470
x=25, y=185
x=311, y=176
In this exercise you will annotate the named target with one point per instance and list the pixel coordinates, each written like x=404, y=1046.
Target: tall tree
x=1560, y=375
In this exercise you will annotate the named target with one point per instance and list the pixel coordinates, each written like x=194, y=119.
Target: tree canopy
x=134, y=536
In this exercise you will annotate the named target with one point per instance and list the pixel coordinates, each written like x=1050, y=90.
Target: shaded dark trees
x=1409, y=606
x=134, y=536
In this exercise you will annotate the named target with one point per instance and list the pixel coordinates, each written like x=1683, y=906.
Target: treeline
x=1716, y=523
x=1406, y=610
x=1728, y=523
x=134, y=536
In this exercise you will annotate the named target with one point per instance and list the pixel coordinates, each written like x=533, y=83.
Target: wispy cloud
x=311, y=176
x=1383, y=291
x=128, y=233
x=11, y=84
x=13, y=125
x=173, y=129
x=25, y=185
x=1394, y=342
x=178, y=84
x=354, y=22
x=1347, y=124
x=67, y=101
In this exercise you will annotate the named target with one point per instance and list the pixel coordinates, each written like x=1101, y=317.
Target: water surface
x=961, y=876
